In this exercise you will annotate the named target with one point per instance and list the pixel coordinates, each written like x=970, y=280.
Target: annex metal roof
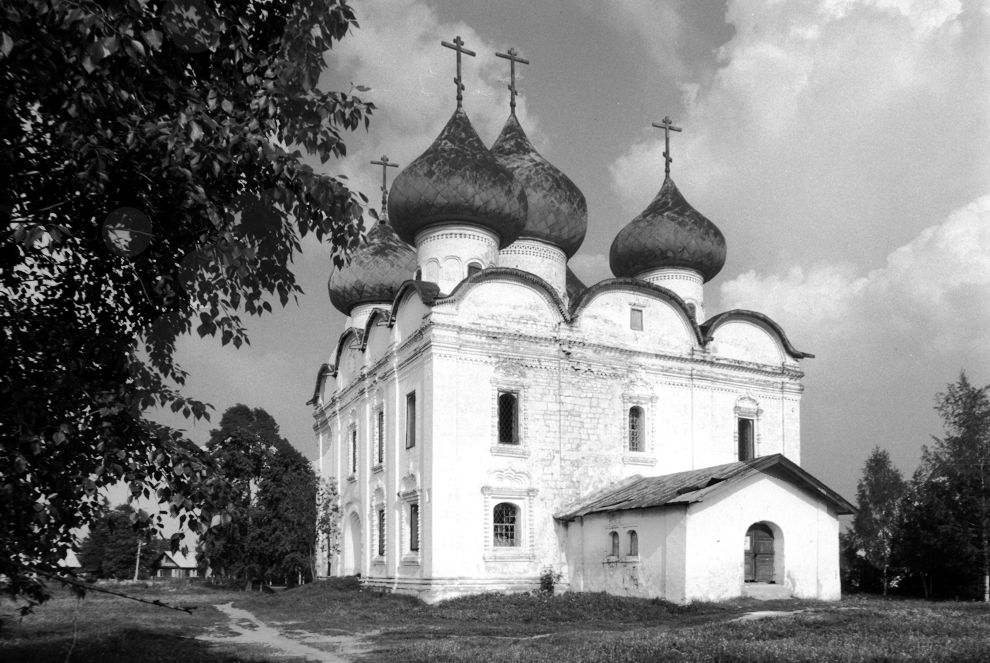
x=683, y=488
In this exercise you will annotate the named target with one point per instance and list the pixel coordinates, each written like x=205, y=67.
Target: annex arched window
x=505, y=523
x=633, y=543
x=614, y=542
x=473, y=268
x=636, y=421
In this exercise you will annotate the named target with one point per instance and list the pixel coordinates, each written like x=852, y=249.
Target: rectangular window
x=746, y=441
x=410, y=420
x=504, y=518
x=354, y=451
x=381, y=532
x=414, y=527
x=508, y=418
x=636, y=319
x=380, y=435
x=636, y=429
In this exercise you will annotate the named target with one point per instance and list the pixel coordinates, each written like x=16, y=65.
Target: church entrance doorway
x=759, y=554
x=351, y=550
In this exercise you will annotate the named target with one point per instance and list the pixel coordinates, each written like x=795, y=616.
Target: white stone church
x=489, y=418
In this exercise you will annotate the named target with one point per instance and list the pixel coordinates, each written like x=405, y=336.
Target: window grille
x=633, y=544
x=504, y=518
x=614, y=540
x=508, y=410
x=414, y=527
x=354, y=451
x=380, y=435
x=381, y=532
x=636, y=429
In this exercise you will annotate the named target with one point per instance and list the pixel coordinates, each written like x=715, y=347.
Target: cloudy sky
x=842, y=146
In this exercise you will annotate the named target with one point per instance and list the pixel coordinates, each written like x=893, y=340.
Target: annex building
x=489, y=418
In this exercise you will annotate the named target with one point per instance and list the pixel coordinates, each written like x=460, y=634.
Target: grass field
x=569, y=627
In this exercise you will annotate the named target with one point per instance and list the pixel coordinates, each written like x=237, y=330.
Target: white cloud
x=830, y=128
x=930, y=295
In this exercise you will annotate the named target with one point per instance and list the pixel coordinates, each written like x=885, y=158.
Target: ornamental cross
x=667, y=125
x=512, y=57
x=385, y=164
x=458, y=46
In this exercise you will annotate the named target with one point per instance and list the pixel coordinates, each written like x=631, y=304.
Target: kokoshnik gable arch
x=482, y=401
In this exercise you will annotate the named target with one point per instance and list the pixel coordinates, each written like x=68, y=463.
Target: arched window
x=633, y=543
x=504, y=518
x=419, y=274
x=614, y=540
x=474, y=268
x=745, y=434
x=636, y=442
x=508, y=419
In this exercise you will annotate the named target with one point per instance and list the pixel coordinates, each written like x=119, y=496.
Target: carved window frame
x=512, y=487
x=747, y=407
x=412, y=495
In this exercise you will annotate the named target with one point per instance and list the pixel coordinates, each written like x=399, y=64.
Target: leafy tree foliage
x=878, y=496
x=327, y=520
x=945, y=531
x=149, y=187
x=271, y=531
x=111, y=549
x=286, y=532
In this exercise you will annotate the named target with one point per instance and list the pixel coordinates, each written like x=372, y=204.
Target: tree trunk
x=885, y=580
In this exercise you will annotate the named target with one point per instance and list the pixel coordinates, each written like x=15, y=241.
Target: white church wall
x=379, y=339
x=607, y=318
x=656, y=572
x=806, y=541
x=506, y=304
x=746, y=341
x=409, y=316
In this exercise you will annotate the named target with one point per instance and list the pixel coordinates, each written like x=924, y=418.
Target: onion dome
x=668, y=233
x=376, y=270
x=457, y=180
x=557, y=212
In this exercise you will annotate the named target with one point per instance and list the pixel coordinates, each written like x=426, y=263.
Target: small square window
x=636, y=319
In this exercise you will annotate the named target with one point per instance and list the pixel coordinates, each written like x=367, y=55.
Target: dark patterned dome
x=457, y=180
x=377, y=269
x=668, y=233
x=557, y=212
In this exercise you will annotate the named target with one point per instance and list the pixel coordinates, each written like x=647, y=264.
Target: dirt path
x=249, y=630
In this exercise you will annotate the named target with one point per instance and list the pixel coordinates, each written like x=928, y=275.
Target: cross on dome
x=513, y=57
x=667, y=125
x=458, y=46
x=385, y=164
